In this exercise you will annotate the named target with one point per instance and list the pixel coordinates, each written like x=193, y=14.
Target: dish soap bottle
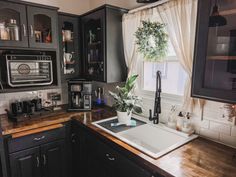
x=187, y=126
x=180, y=121
x=172, y=118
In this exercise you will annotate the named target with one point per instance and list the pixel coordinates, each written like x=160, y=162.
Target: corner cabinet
x=103, y=53
x=23, y=25
x=214, y=69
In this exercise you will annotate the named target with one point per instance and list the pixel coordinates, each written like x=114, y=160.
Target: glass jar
x=13, y=30
x=4, y=33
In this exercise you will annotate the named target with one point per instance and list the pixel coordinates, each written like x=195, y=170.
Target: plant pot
x=124, y=117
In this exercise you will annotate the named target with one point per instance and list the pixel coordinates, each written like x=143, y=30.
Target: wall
x=129, y=4
x=69, y=6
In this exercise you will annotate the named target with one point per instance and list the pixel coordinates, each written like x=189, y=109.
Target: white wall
x=69, y=6
x=129, y=4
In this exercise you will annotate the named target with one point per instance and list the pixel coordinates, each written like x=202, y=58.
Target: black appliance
x=17, y=108
x=79, y=95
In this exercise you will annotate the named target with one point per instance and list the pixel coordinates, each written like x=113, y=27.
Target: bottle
x=180, y=121
x=4, y=33
x=172, y=118
x=13, y=30
x=187, y=126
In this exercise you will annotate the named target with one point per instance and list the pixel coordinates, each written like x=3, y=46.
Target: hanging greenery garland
x=152, y=41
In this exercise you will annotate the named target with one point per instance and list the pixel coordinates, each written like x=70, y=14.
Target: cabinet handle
x=39, y=139
x=31, y=31
x=110, y=158
x=38, y=161
x=73, y=138
x=24, y=30
x=44, y=160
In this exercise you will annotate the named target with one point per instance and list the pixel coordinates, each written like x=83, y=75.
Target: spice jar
x=4, y=33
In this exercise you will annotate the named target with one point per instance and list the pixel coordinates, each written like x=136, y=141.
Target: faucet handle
x=150, y=115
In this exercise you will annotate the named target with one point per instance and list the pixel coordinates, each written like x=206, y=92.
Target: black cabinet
x=103, y=54
x=26, y=163
x=94, y=157
x=42, y=154
x=42, y=27
x=23, y=25
x=69, y=46
x=52, y=156
x=214, y=69
x=17, y=12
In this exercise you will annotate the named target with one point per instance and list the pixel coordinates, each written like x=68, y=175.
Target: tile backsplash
x=7, y=98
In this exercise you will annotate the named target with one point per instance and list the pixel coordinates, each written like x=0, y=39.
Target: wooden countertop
x=199, y=158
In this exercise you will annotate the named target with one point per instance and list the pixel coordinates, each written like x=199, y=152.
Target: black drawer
x=117, y=160
x=17, y=144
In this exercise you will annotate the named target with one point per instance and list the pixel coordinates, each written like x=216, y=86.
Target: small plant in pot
x=126, y=102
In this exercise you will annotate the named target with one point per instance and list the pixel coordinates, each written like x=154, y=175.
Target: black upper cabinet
x=23, y=25
x=214, y=74
x=42, y=27
x=13, y=33
x=69, y=46
x=103, y=54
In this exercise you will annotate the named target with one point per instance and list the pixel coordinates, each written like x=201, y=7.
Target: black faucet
x=157, y=105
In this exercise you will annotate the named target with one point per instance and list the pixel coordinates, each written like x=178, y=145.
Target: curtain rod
x=152, y=5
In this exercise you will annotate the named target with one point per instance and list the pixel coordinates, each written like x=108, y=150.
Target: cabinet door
x=25, y=163
x=214, y=75
x=69, y=46
x=79, y=150
x=13, y=25
x=93, y=29
x=42, y=25
x=53, y=158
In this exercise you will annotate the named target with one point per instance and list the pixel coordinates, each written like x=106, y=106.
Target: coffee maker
x=79, y=95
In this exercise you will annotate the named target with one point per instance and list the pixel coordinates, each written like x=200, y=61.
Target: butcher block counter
x=199, y=158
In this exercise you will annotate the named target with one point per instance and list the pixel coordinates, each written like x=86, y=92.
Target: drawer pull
x=110, y=158
x=39, y=139
x=38, y=162
x=44, y=160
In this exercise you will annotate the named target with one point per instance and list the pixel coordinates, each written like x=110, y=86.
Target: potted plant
x=126, y=102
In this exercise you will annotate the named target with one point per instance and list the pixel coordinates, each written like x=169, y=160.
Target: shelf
x=221, y=57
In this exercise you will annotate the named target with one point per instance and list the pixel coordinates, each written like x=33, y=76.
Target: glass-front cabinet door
x=69, y=42
x=93, y=42
x=42, y=26
x=13, y=25
x=215, y=51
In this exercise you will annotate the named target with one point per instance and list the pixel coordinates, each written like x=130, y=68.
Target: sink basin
x=153, y=140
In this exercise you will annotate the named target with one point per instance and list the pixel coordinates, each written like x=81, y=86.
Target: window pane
x=173, y=76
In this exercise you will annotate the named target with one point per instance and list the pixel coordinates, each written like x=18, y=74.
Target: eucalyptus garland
x=152, y=41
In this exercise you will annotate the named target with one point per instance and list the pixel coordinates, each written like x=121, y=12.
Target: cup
x=68, y=35
x=68, y=57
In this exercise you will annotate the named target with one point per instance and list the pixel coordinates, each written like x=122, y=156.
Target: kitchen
x=69, y=68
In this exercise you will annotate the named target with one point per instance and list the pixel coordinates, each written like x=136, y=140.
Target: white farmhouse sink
x=153, y=140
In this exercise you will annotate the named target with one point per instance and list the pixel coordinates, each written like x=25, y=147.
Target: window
x=173, y=74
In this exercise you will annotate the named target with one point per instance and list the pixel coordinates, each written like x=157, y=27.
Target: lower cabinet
x=99, y=159
x=26, y=163
x=42, y=161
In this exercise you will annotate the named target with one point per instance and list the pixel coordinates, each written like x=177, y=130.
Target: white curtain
x=180, y=17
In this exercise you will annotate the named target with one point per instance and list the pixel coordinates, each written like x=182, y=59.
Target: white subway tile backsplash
x=218, y=127
x=209, y=134
x=233, y=131
x=226, y=139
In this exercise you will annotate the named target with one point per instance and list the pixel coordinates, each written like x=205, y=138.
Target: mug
x=68, y=57
x=68, y=35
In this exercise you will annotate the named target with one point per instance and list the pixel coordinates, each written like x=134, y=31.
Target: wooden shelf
x=221, y=57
